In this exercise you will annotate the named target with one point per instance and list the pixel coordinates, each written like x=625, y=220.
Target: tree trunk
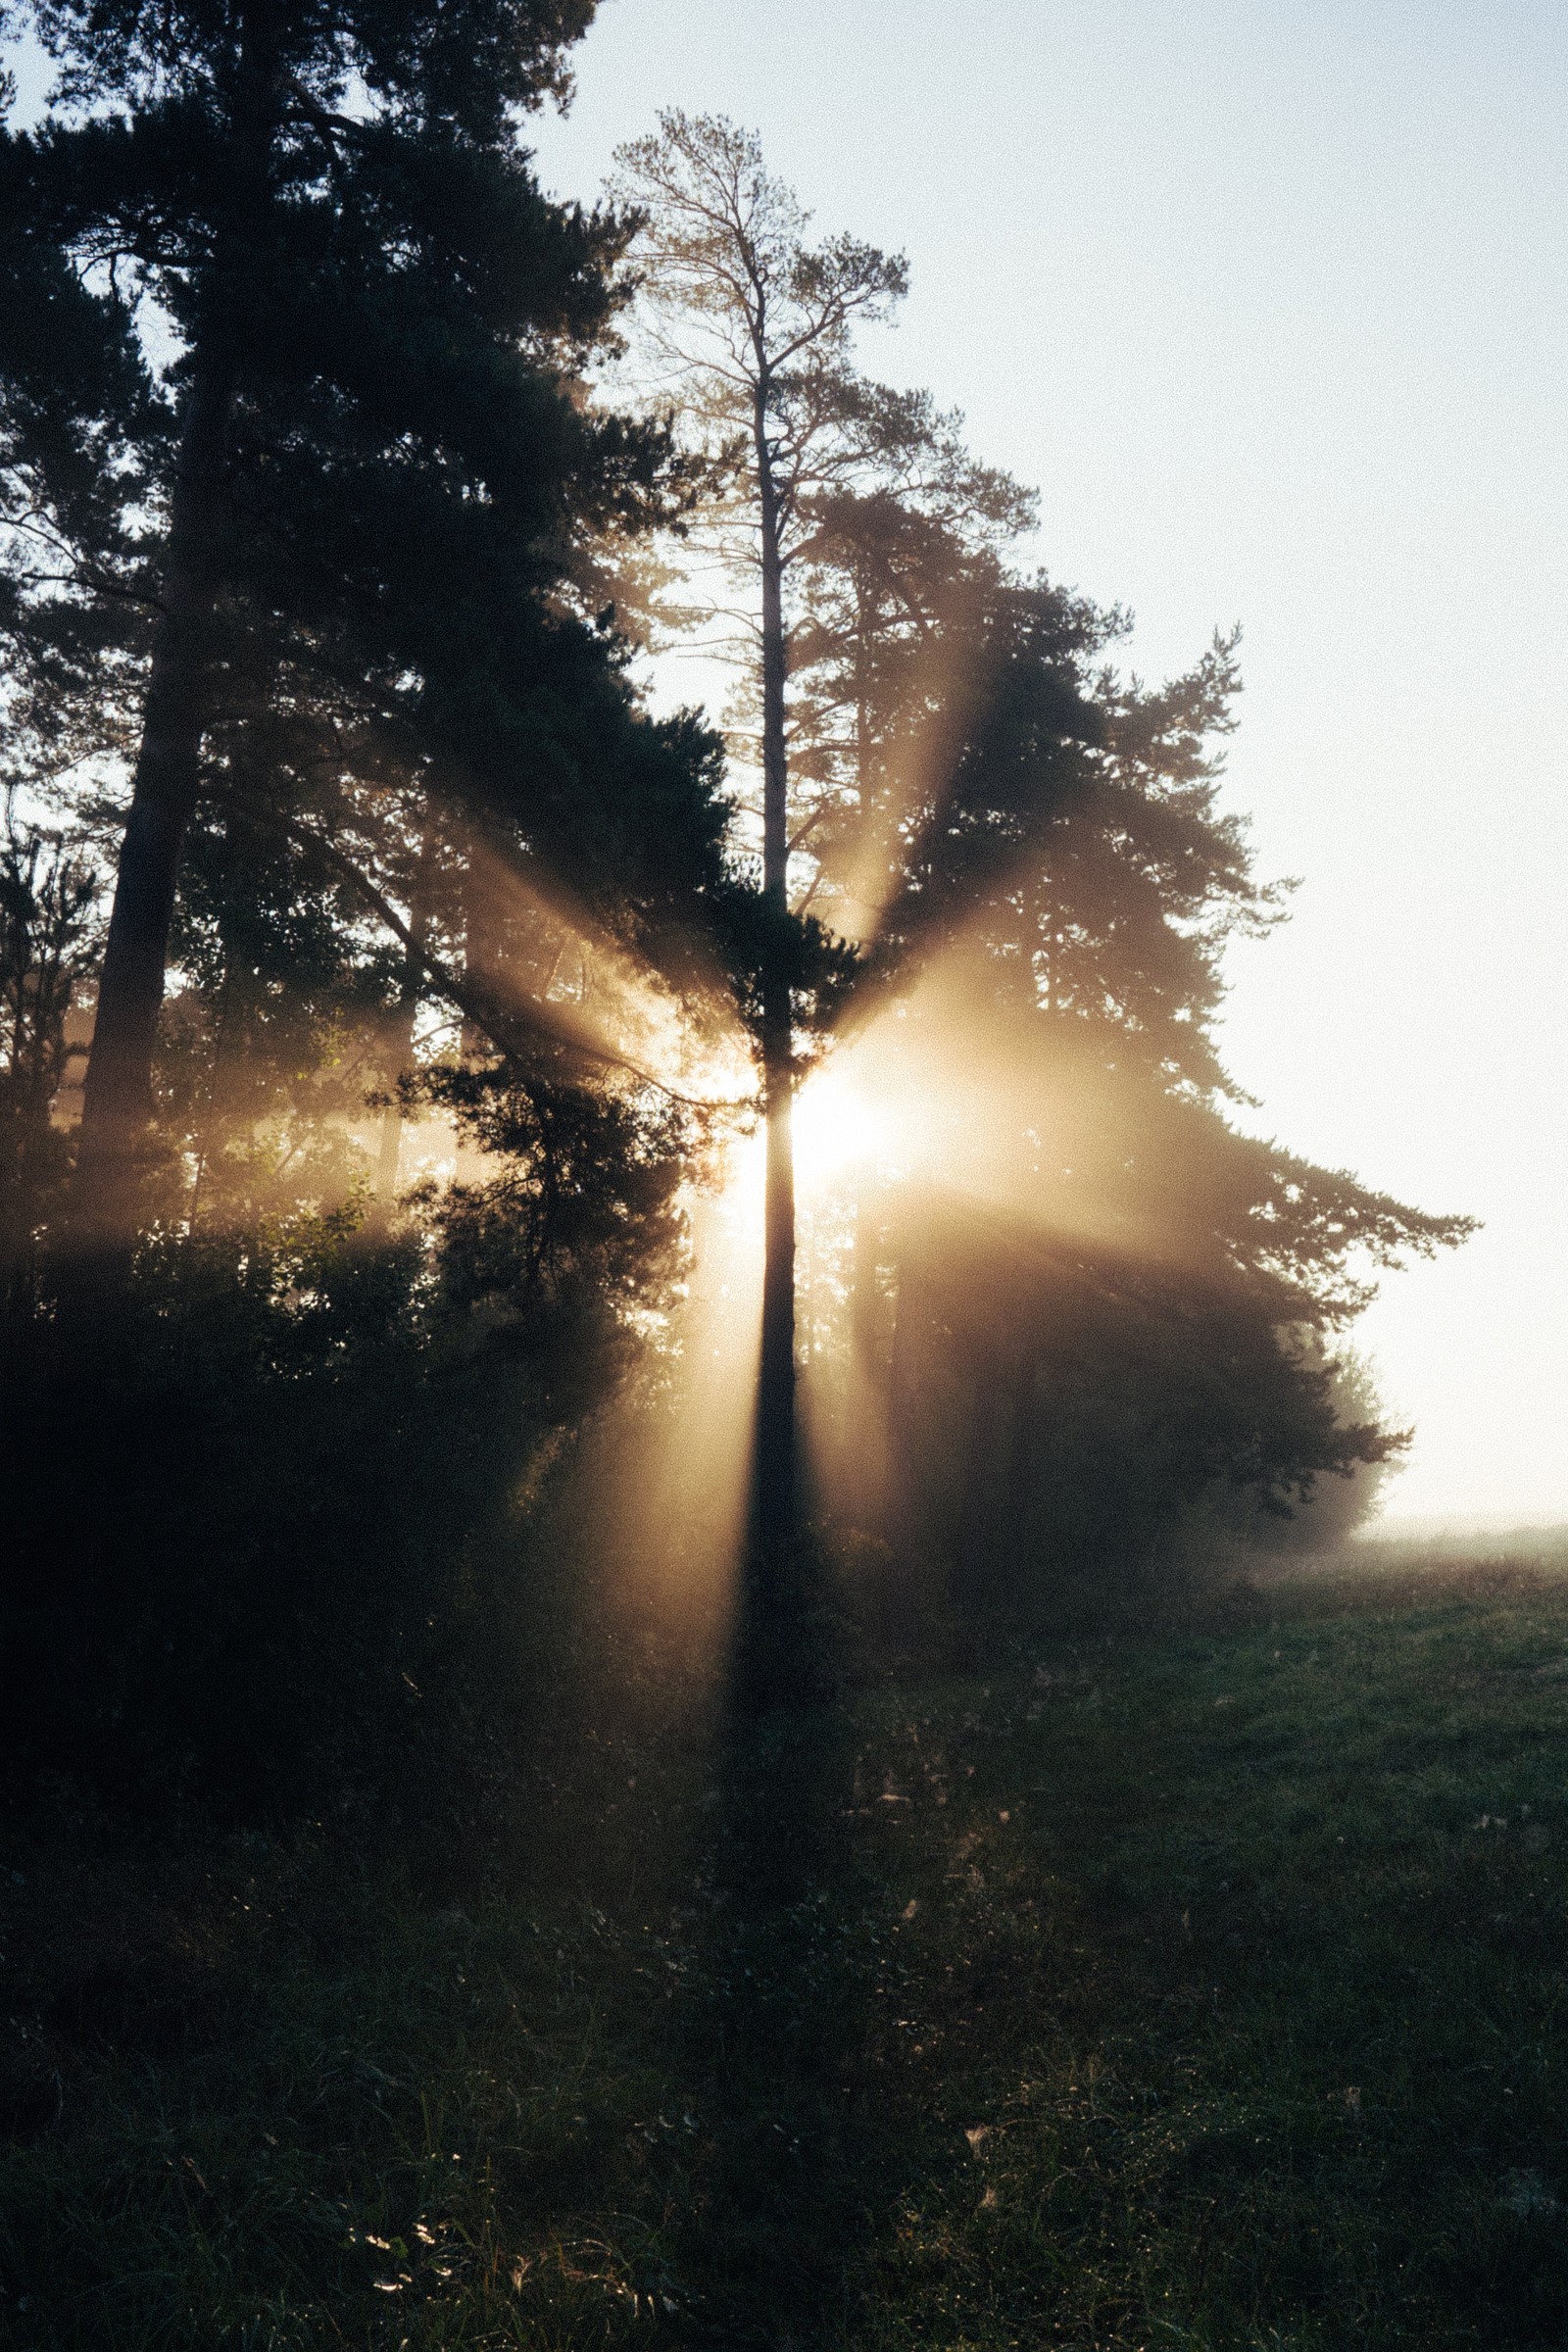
x=1018, y=1563
x=906, y=1495
x=400, y=1036
x=975, y=1546
x=863, y=1422
x=117, y=1093
x=483, y=927
x=776, y=1497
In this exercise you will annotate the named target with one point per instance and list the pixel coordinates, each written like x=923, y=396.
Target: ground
x=1208, y=1991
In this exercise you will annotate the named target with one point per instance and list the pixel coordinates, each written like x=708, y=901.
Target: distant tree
x=47, y=944
x=1320, y=1516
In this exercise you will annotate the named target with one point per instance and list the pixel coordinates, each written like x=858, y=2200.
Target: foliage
x=1037, y=1425
x=46, y=938
x=1087, y=1299
x=301, y=461
x=1321, y=1521
x=262, y=1539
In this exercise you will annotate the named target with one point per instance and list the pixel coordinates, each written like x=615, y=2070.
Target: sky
x=1269, y=301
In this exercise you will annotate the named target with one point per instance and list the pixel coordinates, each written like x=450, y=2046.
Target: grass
x=1209, y=1991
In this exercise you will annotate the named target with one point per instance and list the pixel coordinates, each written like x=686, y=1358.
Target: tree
x=1103, y=1300
x=300, y=480
x=753, y=327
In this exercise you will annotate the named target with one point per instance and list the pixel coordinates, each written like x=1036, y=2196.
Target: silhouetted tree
x=1138, y=1299
x=752, y=325
x=308, y=520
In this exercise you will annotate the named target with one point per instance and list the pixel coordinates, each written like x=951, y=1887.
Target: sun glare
x=836, y=1130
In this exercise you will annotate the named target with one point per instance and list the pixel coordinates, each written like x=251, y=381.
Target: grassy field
x=1206, y=1992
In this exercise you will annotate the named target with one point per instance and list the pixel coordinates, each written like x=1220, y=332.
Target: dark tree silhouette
x=326, y=529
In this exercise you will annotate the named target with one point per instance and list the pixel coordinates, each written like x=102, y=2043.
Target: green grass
x=1202, y=1993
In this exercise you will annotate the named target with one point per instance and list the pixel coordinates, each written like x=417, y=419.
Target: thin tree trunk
x=1019, y=1490
x=776, y=1497
x=975, y=1546
x=863, y=1420
x=482, y=922
x=226, y=1005
x=401, y=1033
x=906, y=1461
x=390, y=1150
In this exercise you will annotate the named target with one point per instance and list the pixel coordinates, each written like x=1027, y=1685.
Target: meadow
x=1201, y=1989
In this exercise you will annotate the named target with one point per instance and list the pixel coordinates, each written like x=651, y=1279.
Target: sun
x=836, y=1130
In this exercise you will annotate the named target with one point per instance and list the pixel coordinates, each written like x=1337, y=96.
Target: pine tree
x=1104, y=1299
x=754, y=326
x=300, y=481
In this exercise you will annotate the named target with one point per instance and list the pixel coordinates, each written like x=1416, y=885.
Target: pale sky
x=1271, y=301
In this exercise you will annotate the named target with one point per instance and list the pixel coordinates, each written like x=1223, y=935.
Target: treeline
x=380, y=975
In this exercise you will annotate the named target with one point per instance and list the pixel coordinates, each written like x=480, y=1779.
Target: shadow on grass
x=779, y=2035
